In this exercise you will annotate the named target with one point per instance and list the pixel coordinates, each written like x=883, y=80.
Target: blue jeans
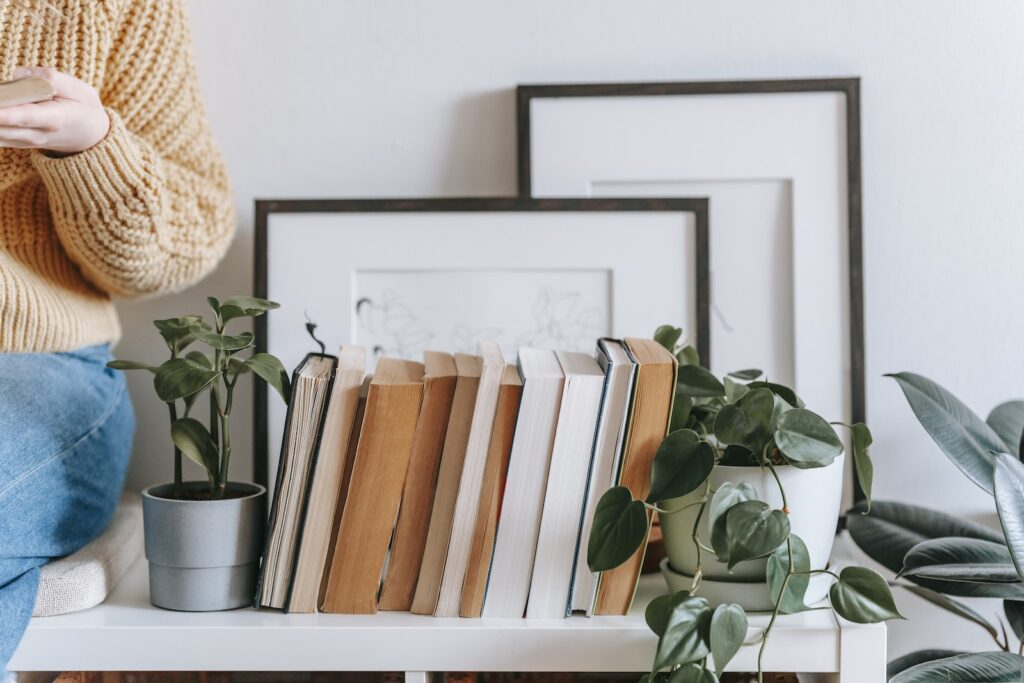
x=66, y=426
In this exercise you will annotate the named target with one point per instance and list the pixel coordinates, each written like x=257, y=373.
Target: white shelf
x=126, y=633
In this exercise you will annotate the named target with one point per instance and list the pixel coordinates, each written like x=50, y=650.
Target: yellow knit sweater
x=146, y=210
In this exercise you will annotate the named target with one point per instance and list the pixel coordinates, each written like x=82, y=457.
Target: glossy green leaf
x=747, y=422
x=1008, y=483
x=728, y=630
x=778, y=566
x=961, y=559
x=780, y=390
x=746, y=375
x=224, y=342
x=950, y=605
x=727, y=495
x=977, y=667
x=806, y=439
x=660, y=609
x=692, y=673
x=687, y=356
x=685, y=637
x=201, y=359
x=861, y=437
x=862, y=596
x=914, y=658
x=177, y=332
x=130, y=365
x=245, y=306
x=619, y=529
x=1007, y=420
x=1014, y=611
x=681, y=464
x=736, y=456
x=194, y=440
x=734, y=391
x=668, y=336
x=699, y=383
x=271, y=371
x=681, y=407
x=181, y=377
x=748, y=530
x=963, y=436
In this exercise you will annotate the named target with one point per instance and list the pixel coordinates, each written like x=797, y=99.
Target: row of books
x=463, y=485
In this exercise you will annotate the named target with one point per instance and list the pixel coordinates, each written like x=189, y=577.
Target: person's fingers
x=22, y=137
x=64, y=84
x=44, y=115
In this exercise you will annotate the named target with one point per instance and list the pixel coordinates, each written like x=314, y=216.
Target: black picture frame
x=849, y=87
x=264, y=208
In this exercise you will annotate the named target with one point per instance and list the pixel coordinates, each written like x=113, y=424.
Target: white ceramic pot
x=814, y=498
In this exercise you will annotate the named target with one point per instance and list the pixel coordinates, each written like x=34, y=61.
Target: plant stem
x=177, y=451
x=696, y=542
x=775, y=611
x=782, y=491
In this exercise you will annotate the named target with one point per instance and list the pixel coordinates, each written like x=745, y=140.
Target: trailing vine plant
x=742, y=420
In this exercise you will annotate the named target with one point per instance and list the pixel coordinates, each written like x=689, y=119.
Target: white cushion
x=84, y=579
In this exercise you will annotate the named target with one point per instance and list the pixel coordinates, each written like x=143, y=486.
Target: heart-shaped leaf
x=734, y=391
x=796, y=588
x=747, y=422
x=953, y=606
x=681, y=464
x=728, y=630
x=1008, y=486
x=962, y=435
x=686, y=633
x=668, y=336
x=862, y=460
x=914, y=658
x=748, y=530
x=780, y=390
x=862, y=596
x=977, y=667
x=271, y=371
x=727, y=495
x=1007, y=420
x=192, y=438
x=181, y=377
x=746, y=375
x=806, y=439
x=620, y=527
x=961, y=559
x=699, y=383
x=224, y=342
x=737, y=456
x=660, y=609
x=130, y=365
x=681, y=407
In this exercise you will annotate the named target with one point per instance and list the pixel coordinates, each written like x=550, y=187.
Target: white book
x=515, y=543
x=566, y=487
x=620, y=378
x=467, y=501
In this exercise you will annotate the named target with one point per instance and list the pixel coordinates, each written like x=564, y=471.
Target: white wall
x=367, y=98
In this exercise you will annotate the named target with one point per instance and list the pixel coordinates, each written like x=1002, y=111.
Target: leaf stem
x=696, y=541
x=177, y=451
x=775, y=611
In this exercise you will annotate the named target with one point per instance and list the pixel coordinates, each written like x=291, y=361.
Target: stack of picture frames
x=730, y=208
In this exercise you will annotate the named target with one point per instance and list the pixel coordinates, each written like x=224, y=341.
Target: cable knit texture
x=147, y=210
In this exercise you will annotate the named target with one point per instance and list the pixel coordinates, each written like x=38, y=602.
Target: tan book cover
x=652, y=408
x=418, y=494
x=375, y=489
x=496, y=469
x=428, y=584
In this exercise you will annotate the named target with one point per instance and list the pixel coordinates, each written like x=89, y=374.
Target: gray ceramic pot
x=203, y=554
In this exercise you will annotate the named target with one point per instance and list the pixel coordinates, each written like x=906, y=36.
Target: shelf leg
x=418, y=677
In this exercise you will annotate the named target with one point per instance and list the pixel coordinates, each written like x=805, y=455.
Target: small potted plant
x=747, y=486
x=204, y=538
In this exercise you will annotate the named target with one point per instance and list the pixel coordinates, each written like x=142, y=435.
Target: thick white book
x=515, y=543
x=566, y=489
x=620, y=378
x=468, y=500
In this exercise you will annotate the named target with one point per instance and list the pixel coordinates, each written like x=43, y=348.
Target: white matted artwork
x=402, y=276
x=780, y=163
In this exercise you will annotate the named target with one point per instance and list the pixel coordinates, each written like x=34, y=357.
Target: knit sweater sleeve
x=148, y=209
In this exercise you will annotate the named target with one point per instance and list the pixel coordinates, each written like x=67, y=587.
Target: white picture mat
x=313, y=262
x=629, y=145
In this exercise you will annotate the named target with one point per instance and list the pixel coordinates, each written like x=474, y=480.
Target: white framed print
x=402, y=276
x=779, y=161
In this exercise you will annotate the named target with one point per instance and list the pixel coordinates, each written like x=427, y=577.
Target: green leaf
x=728, y=630
x=778, y=566
x=699, y=383
x=177, y=332
x=1007, y=420
x=734, y=391
x=727, y=495
x=192, y=438
x=962, y=435
x=1008, y=482
x=748, y=530
x=681, y=464
x=893, y=528
x=271, y=371
x=181, y=377
x=214, y=304
x=977, y=667
x=806, y=439
x=1014, y=611
x=687, y=356
x=201, y=359
x=681, y=407
x=224, y=342
x=668, y=336
x=736, y=456
x=961, y=559
x=245, y=306
x=660, y=609
x=692, y=673
x=862, y=596
x=130, y=365
x=914, y=658
x=780, y=390
x=619, y=529
x=746, y=423
x=685, y=636
x=953, y=606
x=746, y=375
x=862, y=460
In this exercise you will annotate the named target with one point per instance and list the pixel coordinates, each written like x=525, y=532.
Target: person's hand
x=73, y=121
